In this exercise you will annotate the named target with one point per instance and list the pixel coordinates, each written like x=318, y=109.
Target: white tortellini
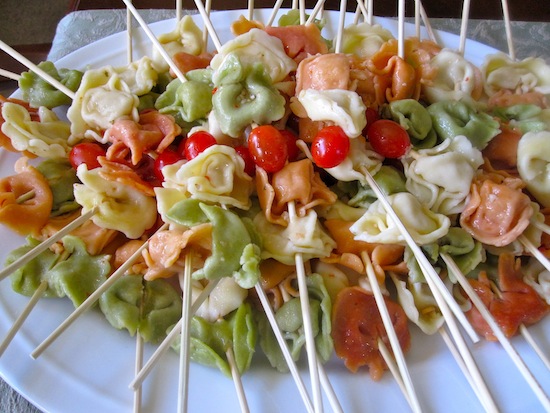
x=224, y=298
x=364, y=39
x=139, y=76
x=302, y=235
x=500, y=72
x=186, y=37
x=424, y=225
x=538, y=277
x=215, y=176
x=256, y=46
x=103, y=97
x=441, y=176
x=46, y=138
x=419, y=304
x=343, y=107
x=533, y=163
x=457, y=79
x=119, y=207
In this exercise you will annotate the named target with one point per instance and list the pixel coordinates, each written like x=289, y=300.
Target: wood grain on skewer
x=44, y=245
x=91, y=299
x=31, y=66
x=497, y=331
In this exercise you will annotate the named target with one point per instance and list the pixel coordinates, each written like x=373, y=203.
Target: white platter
x=88, y=369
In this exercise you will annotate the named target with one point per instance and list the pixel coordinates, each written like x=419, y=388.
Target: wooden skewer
x=390, y=362
x=370, y=11
x=185, y=283
x=427, y=24
x=39, y=292
x=91, y=299
x=318, y=6
x=276, y=8
x=432, y=278
x=464, y=25
x=401, y=28
x=306, y=318
x=207, y=7
x=284, y=347
x=31, y=66
x=237, y=381
x=329, y=390
x=137, y=367
x=341, y=23
x=529, y=338
x=9, y=75
x=155, y=41
x=208, y=24
x=541, y=225
x=302, y=6
x=169, y=339
x=250, y=10
x=179, y=7
x=363, y=8
x=497, y=331
x=529, y=246
x=44, y=245
x=129, y=38
x=392, y=336
x=508, y=28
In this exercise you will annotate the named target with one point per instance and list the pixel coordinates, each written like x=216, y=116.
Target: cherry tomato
x=196, y=144
x=372, y=116
x=249, y=165
x=292, y=148
x=389, y=138
x=330, y=147
x=86, y=152
x=268, y=148
x=167, y=157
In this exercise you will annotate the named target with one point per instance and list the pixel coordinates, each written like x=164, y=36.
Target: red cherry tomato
x=167, y=157
x=249, y=165
x=372, y=116
x=389, y=138
x=196, y=144
x=330, y=147
x=292, y=148
x=86, y=152
x=268, y=148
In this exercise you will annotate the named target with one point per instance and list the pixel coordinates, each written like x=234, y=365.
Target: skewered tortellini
x=364, y=39
x=533, y=164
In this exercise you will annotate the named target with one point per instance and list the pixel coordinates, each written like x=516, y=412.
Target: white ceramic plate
x=89, y=367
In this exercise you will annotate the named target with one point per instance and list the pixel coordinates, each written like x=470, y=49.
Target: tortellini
x=216, y=175
x=343, y=107
x=424, y=226
x=224, y=298
x=441, y=176
x=120, y=207
x=256, y=46
x=533, y=164
x=500, y=72
x=364, y=39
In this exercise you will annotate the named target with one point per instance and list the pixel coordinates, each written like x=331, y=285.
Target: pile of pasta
x=474, y=180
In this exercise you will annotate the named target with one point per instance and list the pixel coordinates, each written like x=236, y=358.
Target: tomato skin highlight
x=195, y=144
x=86, y=152
x=330, y=147
x=167, y=157
x=389, y=138
x=268, y=148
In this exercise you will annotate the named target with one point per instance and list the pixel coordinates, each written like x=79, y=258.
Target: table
x=80, y=28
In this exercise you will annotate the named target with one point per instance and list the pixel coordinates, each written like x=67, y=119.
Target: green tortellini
x=526, y=117
x=75, y=273
x=453, y=118
x=245, y=95
x=149, y=308
x=39, y=92
x=60, y=176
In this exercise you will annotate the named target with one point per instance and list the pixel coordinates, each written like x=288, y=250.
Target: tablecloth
x=80, y=28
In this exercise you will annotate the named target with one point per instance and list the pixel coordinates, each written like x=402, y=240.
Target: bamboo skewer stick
x=508, y=29
x=390, y=362
x=401, y=29
x=44, y=245
x=363, y=8
x=155, y=41
x=302, y=5
x=529, y=246
x=208, y=24
x=207, y=7
x=90, y=300
x=31, y=66
x=179, y=7
x=531, y=341
x=39, y=292
x=137, y=367
x=250, y=10
x=318, y=6
x=464, y=25
x=504, y=341
x=306, y=319
x=341, y=22
x=284, y=347
x=329, y=390
x=185, y=283
x=9, y=75
x=167, y=342
x=392, y=336
x=237, y=381
x=276, y=8
x=129, y=37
